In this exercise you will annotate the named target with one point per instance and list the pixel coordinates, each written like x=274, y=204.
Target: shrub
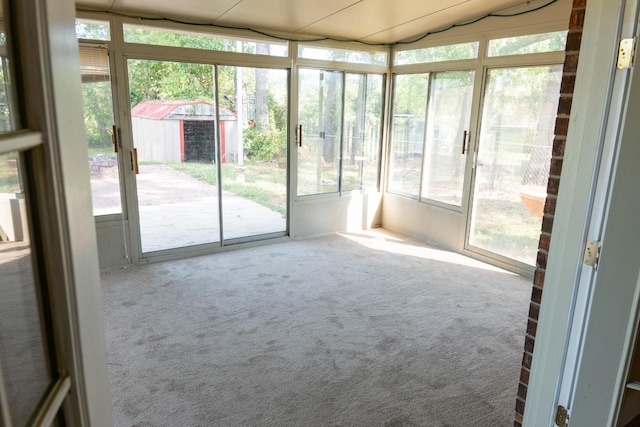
x=265, y=146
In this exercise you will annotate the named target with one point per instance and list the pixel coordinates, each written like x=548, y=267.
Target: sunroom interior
x=443, y=134
x=212, y=133
x=179, y=98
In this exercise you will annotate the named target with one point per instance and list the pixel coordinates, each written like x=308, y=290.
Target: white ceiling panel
x=283, y=15
x=197, y=10
x=457, y=14
x=96, y=4
x=355, y=22
x=377, y=21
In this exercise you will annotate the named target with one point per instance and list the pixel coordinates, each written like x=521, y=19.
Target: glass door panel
x=174, y=133
x=253, y=141
x=320, y=115
x=98, y=121
x=512, y=166
x=362, y=131
x=408, y=132
x=24, y=355
x=448, y=119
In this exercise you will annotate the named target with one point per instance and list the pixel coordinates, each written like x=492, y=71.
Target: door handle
x=300, y=134
x=115, y=138
x=464, y=141
x=134, y=160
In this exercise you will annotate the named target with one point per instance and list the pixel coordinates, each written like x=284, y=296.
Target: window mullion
x=19, y=141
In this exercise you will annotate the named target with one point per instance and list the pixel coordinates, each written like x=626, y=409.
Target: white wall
x=113, y=249
x=355, y=212
x=429, y=223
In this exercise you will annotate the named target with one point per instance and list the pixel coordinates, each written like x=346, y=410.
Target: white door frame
x=47, y=54
x=602, y=318
x=600, y=203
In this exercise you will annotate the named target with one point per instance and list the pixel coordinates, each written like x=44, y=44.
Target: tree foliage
x=92, y=30
x=98, y=115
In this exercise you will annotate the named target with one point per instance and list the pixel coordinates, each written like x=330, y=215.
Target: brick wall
x=576, y=22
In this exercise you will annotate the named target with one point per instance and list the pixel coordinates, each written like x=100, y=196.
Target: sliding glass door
x=447, y=136
x=173, y=122
x=253, y=161
x=209, y=166
x=512, y=166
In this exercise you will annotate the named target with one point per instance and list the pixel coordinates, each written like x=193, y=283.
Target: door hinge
x=626, y=53
x=562, y=416
x=591, y=253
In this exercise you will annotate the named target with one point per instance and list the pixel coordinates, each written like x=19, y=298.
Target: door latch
x=626, y=53
x=562, y=416
x=591, y=253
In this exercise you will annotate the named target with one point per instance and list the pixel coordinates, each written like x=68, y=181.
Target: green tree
x=92, y=30
x=98, y=113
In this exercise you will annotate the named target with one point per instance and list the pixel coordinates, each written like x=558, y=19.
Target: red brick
x=559, y=143
x=536, y=295
x=564, y=105
x=574, y=40
x=529, y=344
x=541, y=260
x=534, y=313
x=520, y=406
x=538, y=278
x=570, y=63
x=562, y=126
x=567, y=84
x=555, y=169
x=518, y=421
x=532, y=327
x=550, y=205
x=522, y=391
x=576, y=21
x=524, y=376
x=544, y=242
x=547, y=224
x=553, y=185
x=579, y=3
x=526, y=360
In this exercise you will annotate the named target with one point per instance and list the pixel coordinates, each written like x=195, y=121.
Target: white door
x=593, y=295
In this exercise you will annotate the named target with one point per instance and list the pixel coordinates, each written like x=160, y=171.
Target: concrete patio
x=177, y=210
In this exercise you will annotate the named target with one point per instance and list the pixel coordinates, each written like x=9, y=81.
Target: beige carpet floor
x=369, y=329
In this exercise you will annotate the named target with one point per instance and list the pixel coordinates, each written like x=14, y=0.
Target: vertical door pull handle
x=115, y=138
x=464, y=141
x=135, y=160
x=300, y=133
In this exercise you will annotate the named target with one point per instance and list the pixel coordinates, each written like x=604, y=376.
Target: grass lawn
x=507, y=228
x=264, y=183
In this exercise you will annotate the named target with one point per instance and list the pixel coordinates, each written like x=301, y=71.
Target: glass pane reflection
x=23, y=355
x=8, y=106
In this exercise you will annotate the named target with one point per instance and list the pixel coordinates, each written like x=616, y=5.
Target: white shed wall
x=156, y=140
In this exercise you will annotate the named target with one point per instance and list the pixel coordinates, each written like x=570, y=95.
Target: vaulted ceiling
x=373, y=21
